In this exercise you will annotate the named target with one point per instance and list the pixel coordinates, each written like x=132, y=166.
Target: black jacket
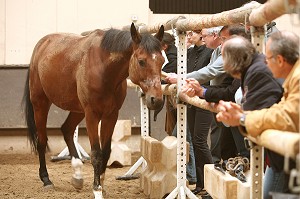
x=197, y=58
x=171, y=66
x=262, y=90
x=225, y=91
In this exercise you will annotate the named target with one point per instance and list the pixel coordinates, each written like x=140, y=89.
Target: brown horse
x=86, y=75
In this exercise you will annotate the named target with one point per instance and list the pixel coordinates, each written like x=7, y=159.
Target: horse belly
x=62, y=92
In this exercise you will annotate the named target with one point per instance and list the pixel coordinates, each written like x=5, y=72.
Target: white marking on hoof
x=98, y=193
x=77, y=179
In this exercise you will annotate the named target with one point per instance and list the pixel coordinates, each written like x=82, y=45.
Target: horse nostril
x=152, y=100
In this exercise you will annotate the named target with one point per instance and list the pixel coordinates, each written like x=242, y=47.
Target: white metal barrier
x=64, y=154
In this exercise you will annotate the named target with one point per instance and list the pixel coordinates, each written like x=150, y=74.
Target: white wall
x=24, y=22
x=289, y=22
x=2, y=32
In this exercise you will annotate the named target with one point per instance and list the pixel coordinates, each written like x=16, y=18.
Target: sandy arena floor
x=19, y=179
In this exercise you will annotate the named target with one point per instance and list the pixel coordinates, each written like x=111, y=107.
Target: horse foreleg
x=92, y=121
x=107, y=129
x=96, y=158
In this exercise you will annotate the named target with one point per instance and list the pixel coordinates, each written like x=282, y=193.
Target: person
x=225, y=91
x=198, y=120
x=282, y=57
x=198, y=56
x=213, y=71
x=170, y=49
x=170, y=66
x=189, y=42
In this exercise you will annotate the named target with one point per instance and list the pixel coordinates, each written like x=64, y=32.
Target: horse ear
x=160, y=33
x=136, y=37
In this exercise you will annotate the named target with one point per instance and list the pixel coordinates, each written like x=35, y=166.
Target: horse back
x=57, y=62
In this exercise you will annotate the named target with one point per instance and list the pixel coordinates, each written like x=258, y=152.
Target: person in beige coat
x=282, y=56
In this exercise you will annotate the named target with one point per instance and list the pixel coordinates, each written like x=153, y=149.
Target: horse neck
x=119, y=65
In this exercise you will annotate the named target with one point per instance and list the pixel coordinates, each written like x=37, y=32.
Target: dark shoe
x=192, y=183
x=206, y=196
x=199, y=191
x=219, y=167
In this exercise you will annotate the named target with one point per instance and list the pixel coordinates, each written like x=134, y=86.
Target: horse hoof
x=77, y=183
x=98, y=192
x=49, y=187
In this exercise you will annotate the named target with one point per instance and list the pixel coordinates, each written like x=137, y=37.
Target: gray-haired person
x=282, y=58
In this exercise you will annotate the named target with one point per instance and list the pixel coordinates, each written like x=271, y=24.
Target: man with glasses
x=282, y=58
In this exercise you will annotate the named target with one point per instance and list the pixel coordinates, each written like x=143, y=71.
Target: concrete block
x=221, y=186
x=159, y=177
x=120, y=152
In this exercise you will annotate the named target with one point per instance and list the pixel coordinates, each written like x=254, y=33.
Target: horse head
x=145, y=65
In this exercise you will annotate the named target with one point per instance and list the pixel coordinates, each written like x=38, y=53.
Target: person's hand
x=171, y=78
x=188, y=90
x=229, y=113
x=194, y=84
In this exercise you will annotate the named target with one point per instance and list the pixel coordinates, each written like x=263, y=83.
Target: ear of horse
x=136, y=37
x=160, y=33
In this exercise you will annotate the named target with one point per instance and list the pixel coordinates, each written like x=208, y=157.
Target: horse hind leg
x=41, y=108
x=68, y=129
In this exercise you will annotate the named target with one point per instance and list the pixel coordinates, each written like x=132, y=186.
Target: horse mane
x=119, y=41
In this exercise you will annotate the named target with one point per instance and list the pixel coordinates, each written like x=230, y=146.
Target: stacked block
x=120, y=152
x=159, y=177
x=221, y=186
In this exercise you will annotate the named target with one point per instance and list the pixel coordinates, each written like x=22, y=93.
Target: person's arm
x=208, y=72
x=262, y=90
x=225, y=91
x=282, y=116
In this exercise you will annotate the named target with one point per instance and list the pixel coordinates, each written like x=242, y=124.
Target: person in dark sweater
x=168, y=43
x=199, y=120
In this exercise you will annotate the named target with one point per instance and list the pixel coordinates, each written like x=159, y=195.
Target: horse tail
x=29, y=116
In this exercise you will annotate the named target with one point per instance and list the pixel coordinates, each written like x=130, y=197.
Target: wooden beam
x=269, y=11
x=282, y=142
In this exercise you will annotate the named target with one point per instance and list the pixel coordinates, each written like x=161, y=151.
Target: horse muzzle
x=154, y=102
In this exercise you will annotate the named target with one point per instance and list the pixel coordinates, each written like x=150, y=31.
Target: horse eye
x=142, y=63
